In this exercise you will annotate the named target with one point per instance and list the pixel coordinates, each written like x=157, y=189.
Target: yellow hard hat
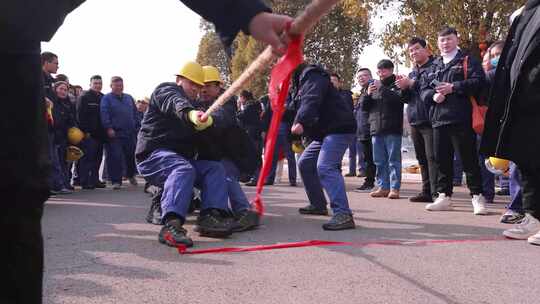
x=211, y=74
x=192, y=71
x=75, y=135
x=297, y=146
x=73, y=154
x=497, y=165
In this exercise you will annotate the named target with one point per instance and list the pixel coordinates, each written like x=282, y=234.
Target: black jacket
x=513, y=117
x=166, y=125
x=385, y=109
x=64, y=118
x=417, y=109
x=362, y=119
x=456, y=108
x=250, y=119
x=88, y=114
x=319, y=106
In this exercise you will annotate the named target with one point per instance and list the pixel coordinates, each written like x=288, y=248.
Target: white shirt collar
x=448, y=57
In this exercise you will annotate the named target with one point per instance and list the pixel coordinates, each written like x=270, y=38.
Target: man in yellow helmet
x=232, y=146
x=167, y=156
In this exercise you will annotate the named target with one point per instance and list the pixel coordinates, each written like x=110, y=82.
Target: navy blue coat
x=166, y=125
x=319, y=106
x=250, y=119
x=456, y=109
x=89, y=114
x=417, y=109
x=362, y=119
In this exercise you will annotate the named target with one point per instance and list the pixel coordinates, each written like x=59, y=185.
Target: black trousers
x=21, y=256
x=462, y=140
x=422, y=137
x=371, y=169
x=530, y=187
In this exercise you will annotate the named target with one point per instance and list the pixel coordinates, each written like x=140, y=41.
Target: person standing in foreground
x=24, y=160
x=327, y=119
x=514, y=113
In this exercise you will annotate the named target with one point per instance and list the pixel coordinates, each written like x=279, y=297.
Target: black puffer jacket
x=319, y=106
x=362, y=119
x=89, y=114
x=456, y=109
x=417, y=109
x=385, y=109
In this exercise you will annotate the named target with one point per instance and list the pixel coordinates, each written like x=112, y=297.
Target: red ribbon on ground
x=278, y=90
x=319, y=243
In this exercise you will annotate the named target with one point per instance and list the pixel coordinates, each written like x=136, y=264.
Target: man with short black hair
x=418, y=117
x=363, y=134
x=383, y=103
x=448, y=90
x=89, y=117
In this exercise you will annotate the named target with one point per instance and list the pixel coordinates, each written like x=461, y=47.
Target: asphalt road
x=98, y=249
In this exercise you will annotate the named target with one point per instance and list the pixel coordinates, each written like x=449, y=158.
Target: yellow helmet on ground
x=211, y=74
x=73, y=154
x=75, y=135
x=192, y=71
x=497, y=165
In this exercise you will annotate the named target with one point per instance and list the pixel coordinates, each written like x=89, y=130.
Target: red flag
x=278, y=90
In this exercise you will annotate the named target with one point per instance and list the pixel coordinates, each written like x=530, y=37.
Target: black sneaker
x=101, y=185
x=245, y=220
x=172, y=234
x=350, y=175
x=340, y=221
x=503, y=192
x=251, y=183
x=312, y=210
x=366, y=187
x=421, y=198
x=213, y=223
x=511, y=217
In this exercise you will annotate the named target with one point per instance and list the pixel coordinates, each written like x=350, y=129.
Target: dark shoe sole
x=339, y=227
x=213, y=233
x=313, y=212
x=420, y=200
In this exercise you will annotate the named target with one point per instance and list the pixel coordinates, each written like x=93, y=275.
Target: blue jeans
x=387, y=158
x=178, y=175
x=283, y=143
x=120, y=151
x=320, y=167
x=237, y=197
x=515, y=189
x=57, y=179
x=90, y=162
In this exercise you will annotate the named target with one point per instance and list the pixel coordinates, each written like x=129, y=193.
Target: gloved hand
x=297, y=146
x=194, y=116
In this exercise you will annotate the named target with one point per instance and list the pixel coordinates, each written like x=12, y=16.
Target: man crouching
x=166, y=156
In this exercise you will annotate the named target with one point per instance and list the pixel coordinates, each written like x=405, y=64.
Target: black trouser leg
x=422, y=138
x=21, y=255
x=444, y=157
x=368, y=158
x=530, y=181
x=464, y=142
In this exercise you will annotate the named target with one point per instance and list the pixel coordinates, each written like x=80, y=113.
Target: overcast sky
x=143, y=41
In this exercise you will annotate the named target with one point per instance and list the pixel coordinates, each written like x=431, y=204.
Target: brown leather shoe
x=394, y=194
x=380, y=193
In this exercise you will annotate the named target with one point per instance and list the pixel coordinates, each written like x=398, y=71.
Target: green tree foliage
x=476, y=21
x=336, y=42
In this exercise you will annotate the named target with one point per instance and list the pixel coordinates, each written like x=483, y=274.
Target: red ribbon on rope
x=278, y=90
x=320, y=243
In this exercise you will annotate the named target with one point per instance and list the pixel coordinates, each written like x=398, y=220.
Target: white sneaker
x=479, y=205
x=116, y=186
x=535, y=239
x=442, y=203
x=525, y=229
